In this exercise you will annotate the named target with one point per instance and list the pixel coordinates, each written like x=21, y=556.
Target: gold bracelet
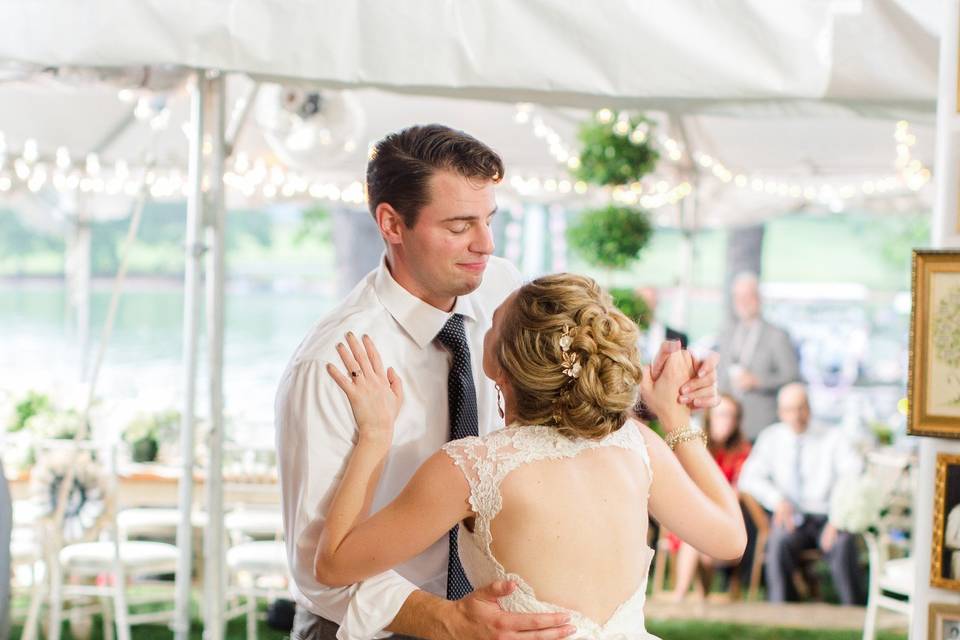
x=686, y=434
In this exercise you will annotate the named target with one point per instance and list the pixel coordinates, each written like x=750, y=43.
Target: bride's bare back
x=576, y=529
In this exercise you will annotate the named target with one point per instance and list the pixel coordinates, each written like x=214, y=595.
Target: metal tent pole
x=191, y=324
x=214, y=547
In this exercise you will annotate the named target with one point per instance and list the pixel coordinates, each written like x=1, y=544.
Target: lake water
x=142, y=368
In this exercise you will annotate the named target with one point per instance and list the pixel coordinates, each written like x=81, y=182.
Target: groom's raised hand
x=700, y=392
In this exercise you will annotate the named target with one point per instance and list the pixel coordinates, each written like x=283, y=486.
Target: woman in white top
x=556, y=503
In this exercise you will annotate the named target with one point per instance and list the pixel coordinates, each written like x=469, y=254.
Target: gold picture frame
x=943, y=621
x=933, y=381
x=945, y=551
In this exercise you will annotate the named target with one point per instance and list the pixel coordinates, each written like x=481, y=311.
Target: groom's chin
x=468, y=283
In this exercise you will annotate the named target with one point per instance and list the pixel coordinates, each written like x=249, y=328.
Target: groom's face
x=447, y=248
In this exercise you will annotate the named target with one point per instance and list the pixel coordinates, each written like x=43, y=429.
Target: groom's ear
x=389, y=222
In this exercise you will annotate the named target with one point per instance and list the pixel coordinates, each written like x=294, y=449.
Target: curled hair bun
x=598, y=400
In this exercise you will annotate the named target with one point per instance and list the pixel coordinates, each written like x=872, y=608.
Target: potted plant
x=145, y=432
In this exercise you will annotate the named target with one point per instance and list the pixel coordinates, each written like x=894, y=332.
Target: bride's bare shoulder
x=655, y=444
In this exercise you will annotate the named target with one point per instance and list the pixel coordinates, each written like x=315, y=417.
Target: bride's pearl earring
x=499, y=401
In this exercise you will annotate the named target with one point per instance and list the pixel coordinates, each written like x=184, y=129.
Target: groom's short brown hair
x=402, y=163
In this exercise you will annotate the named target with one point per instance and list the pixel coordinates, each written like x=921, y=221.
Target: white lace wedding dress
x=486, y=462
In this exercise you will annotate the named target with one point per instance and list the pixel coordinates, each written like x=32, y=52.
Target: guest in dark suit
x=756, y=358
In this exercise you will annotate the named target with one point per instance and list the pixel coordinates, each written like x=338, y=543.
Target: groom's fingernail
x=683, y=398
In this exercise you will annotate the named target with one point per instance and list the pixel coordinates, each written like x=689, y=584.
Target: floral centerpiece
x=146, y=431
x=857, y=504
x=55, y=425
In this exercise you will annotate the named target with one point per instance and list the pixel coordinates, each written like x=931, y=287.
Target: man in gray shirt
x=756, y=358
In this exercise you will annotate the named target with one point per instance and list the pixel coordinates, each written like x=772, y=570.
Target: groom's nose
x=482, y=241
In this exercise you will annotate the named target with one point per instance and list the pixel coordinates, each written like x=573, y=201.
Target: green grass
x=236, y=629
x=667, y=630
x=673, y=630
x=688, y=630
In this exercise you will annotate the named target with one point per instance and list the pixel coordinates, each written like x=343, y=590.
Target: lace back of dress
x=485, y=462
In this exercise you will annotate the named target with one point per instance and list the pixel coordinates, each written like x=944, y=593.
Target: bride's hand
x=661, y=396
x=375, y=395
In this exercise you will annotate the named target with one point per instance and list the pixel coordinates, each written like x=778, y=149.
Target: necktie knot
x=452, y=335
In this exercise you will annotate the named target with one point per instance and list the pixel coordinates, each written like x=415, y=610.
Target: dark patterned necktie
x=462, y=402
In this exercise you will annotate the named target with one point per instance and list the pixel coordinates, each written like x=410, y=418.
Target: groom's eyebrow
x=469, y=218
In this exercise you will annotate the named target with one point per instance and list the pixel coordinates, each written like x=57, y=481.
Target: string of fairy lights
x=264, y=177
x=33, y=170
x=909, y=173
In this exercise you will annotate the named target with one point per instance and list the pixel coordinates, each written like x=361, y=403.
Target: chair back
x=894, y=472
x=251, y=490
x=89, y=508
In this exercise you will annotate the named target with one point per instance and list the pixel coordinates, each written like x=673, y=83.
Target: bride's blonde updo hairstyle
x=538, y=362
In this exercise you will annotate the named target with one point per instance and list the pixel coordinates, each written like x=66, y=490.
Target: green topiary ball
x=616, y=150
x=632, y=305
x=610, y=237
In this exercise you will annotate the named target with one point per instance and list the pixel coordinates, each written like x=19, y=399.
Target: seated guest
x=791, y=471
x=730, y=449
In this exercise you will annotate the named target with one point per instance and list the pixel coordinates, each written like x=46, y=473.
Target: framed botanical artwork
x=933, y=383
x=945, y=553
x=943, y=621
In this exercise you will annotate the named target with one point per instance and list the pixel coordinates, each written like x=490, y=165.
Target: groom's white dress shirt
x=315, y=432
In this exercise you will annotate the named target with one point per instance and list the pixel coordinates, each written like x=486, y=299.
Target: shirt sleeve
x=315, y=435
x=756, y=476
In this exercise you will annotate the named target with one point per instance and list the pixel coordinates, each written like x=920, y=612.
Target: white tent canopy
x=765, y=87
x=643, y=54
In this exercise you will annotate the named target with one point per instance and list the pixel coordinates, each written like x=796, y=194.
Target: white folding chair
x=891, y=570
x=87, y=559
x=27, y=568
x=256, y=558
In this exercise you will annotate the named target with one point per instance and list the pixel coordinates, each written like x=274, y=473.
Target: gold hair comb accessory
x=571, y=361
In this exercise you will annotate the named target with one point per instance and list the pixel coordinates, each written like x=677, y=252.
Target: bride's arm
x=689, y=494
x=691, y=497
x=351, y=546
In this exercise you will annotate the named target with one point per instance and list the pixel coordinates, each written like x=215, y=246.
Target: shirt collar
x=810, y=433
x=420, y=320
